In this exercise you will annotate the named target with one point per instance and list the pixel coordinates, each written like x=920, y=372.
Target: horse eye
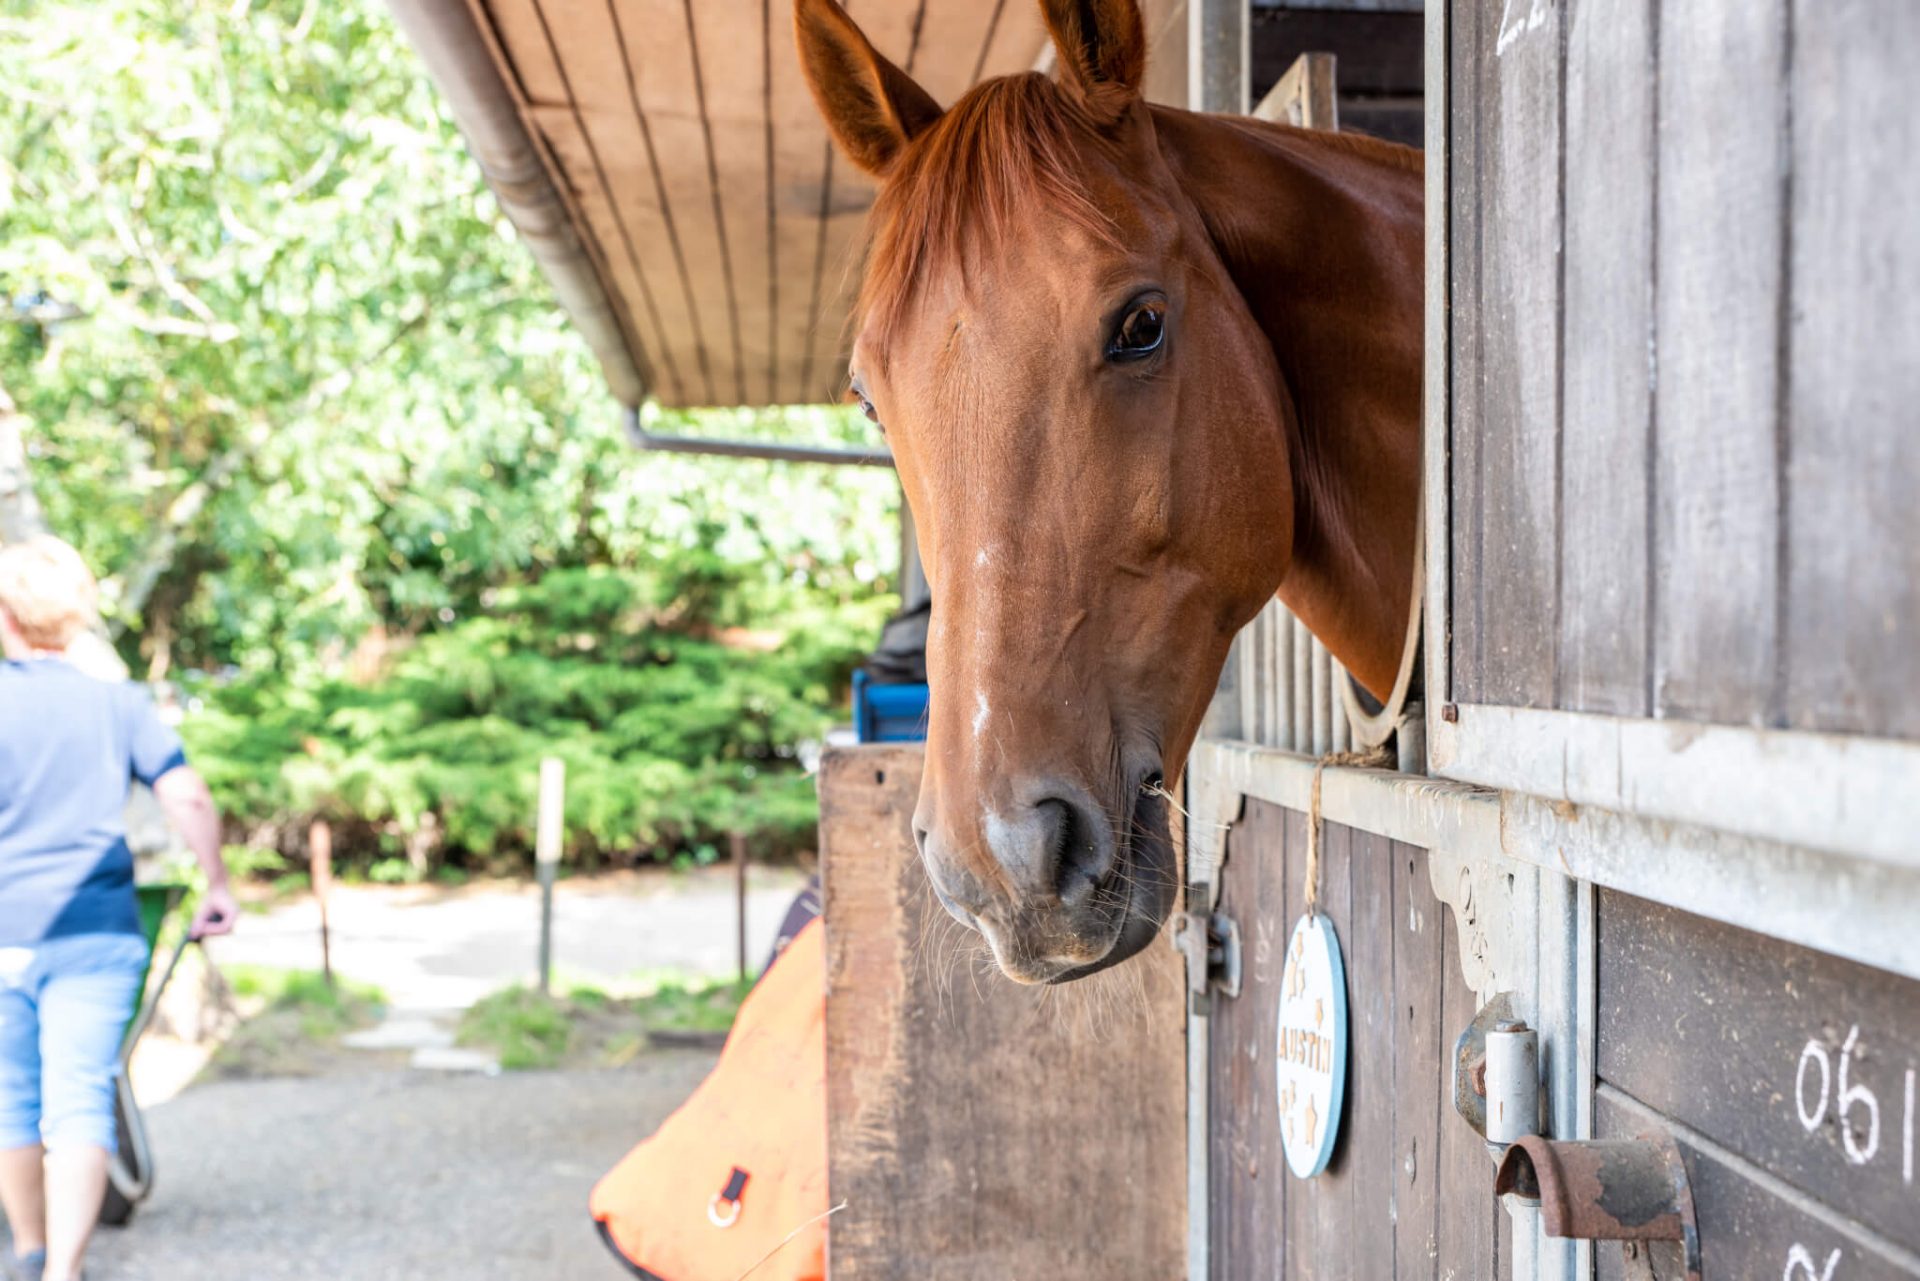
x=1141, y=333
x=866, y=406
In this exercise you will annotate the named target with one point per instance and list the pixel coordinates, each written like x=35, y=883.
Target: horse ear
x=873, y=108
x=1102, y=47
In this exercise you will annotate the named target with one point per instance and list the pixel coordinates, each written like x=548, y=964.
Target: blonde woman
x=71, y=953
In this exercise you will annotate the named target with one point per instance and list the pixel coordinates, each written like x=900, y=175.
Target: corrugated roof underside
x=723, y=225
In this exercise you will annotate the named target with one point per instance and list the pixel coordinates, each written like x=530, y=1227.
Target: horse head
x=1093, y=438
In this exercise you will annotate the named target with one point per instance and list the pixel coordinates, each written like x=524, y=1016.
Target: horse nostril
x=1078, y=858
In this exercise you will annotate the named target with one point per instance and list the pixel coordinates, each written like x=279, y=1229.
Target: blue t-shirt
x=69, y=747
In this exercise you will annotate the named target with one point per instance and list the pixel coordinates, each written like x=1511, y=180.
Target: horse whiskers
x=1173, y=802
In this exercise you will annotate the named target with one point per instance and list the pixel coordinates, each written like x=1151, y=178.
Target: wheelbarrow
x=130, y=1173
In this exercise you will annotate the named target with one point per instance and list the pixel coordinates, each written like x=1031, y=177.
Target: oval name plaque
x=1311, y=1052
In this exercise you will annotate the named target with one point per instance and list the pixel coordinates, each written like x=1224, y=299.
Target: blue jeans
x=64, y=1003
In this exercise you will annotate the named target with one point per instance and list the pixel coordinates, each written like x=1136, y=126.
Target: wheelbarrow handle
x=151, y=1004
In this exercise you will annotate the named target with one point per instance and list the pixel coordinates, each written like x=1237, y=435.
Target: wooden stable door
x=1408, y=1192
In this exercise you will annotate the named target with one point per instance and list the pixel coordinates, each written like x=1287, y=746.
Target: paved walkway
x=433, y=948
x=434, y=951
x=403, y=1176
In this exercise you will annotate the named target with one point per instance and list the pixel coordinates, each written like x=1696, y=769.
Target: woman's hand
x=217, y=913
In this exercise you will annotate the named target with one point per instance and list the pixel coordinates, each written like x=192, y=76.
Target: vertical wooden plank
x=1520, y=102
x=1467, y=1208
x=1717, y=291
x=1853, y=525
x=1605, y=450
x=1281, y=677
x=948, y=1173
x=1342, y=728
x=1256, y=670
x=1465, y=375
x=1331, y=1195
x=1371, y=1089
x=1322, y=687
x=1298, y=1247
x=1303, y=643
x=1419, y=1055
x=1248, y=1170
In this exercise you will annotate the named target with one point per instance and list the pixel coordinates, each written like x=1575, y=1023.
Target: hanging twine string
x=1372, y=758
x=788, y=1239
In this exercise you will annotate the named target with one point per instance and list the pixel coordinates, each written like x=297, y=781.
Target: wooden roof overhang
x=664, y=162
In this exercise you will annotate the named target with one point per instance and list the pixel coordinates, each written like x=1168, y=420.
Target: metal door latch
x=1633, y=1191
x=1211, y=943
x=1496, y=1075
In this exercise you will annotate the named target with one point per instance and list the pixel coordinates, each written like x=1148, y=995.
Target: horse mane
x=1005, y=150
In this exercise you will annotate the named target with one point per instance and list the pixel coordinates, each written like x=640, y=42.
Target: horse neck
x=1323, y=236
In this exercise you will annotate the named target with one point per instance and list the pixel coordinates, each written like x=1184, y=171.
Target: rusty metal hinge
x=1211, y=943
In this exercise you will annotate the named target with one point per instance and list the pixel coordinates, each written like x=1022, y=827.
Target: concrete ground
x=405, y=1176
x=369, y=1173
x=433, y=951
x=429, y=947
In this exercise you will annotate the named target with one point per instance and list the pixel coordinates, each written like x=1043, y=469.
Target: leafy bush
x=672, y=738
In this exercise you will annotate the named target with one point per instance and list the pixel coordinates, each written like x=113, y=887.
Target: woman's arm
x=188, y=805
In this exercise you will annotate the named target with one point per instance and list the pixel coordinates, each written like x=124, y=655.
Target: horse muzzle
x=1071, y=892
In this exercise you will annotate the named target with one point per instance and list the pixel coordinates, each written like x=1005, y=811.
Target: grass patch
x=699, y=1005
x=523, y=1028
x=587, y=1027
x=291, y=1020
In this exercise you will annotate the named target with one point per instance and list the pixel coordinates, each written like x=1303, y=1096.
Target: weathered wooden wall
x=976, y=1128
x=1409, y=1191
x=1788, y=1077
x=1686, y=306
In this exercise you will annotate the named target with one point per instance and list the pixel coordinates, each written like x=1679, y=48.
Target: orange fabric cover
x=762, y=1109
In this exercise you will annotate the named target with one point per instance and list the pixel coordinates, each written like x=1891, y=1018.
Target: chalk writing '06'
x=1818, y=1081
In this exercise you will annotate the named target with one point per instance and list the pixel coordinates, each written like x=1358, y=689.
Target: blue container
x=888, y=713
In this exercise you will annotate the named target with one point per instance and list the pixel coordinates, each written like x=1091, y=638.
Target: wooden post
x=320, y=868
x=925, y=1057
x=1219, y=42
x=740, y=899
x=549, y=835
x=1307, y=95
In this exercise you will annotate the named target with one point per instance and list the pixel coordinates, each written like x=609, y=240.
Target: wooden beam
x=976, y=1128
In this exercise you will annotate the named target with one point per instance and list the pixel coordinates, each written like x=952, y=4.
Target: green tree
x=289, y=380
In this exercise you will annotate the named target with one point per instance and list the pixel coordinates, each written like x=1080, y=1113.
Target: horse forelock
x=1010, y=147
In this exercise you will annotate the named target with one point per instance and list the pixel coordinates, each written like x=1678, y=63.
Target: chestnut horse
x=1141, y=369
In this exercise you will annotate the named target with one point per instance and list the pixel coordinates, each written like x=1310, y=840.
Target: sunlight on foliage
x=296, y=389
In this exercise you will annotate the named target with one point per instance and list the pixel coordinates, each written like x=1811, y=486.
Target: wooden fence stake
x=549, y=835
x=320, y=860
x=739, y=841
